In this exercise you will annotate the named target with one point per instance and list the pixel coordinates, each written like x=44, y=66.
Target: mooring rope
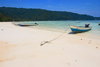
x=44, y=42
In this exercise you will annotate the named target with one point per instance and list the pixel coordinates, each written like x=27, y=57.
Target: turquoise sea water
x=63, y=25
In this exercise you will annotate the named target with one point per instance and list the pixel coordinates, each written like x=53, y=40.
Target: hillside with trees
x=23, y=14
x=5, y=18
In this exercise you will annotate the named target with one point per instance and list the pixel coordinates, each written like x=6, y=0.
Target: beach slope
x=21, y=47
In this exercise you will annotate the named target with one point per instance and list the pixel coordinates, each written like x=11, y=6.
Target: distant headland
x=24, y=14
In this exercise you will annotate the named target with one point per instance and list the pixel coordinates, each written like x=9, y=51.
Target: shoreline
x=21, y=47
x=67, y=29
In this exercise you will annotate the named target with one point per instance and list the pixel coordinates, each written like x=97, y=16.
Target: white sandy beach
x=21, y=47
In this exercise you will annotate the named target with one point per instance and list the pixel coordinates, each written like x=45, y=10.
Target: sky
x=89, y=7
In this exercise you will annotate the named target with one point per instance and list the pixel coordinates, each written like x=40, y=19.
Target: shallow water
x=63, y=25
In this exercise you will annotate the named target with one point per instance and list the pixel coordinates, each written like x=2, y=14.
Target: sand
x=21, y=47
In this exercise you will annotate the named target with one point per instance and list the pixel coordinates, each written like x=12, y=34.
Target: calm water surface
x=63, y=25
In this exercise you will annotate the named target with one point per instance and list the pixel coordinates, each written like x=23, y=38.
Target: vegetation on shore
x=23, y=14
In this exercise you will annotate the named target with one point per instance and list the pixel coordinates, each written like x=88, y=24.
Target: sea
x=64, y=26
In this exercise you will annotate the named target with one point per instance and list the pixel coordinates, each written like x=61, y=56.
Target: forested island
x=24, y=14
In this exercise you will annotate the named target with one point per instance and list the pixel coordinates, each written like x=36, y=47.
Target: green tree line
x=23, y=14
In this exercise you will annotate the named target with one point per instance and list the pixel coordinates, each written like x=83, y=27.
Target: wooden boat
x=28, y=24
x=76, y=29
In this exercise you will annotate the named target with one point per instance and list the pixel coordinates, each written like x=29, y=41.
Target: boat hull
x=27, y=24
x=79, y=28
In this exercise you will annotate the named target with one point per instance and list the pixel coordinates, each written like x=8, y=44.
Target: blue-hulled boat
x=76, y=29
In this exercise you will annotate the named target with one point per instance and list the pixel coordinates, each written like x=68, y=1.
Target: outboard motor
x=87, y=24
x=99, y=24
